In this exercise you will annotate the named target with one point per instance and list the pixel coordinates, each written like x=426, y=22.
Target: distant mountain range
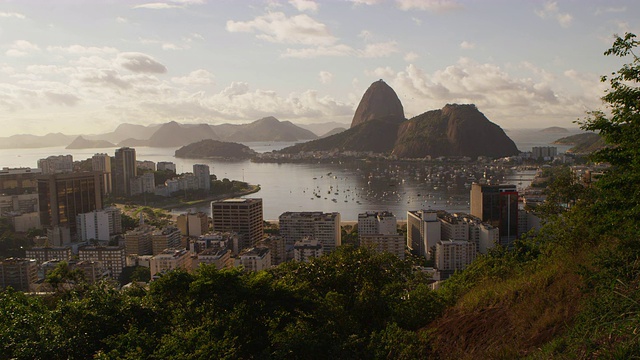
x=171, y=134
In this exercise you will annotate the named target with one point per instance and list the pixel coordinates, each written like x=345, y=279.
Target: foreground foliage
x=351, y=304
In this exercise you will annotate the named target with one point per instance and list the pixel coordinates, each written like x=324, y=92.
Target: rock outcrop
x=455, y=130
x=379, y=101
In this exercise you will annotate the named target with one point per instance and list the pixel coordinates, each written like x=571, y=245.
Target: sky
x=84, y=67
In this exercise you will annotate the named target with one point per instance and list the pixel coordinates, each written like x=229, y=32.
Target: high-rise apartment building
x=63, y=196
x=423, y=232
x=124, y=169
x=56, y=164
x=452, y=255
x=102, y=163
x=16, y=181
x=306, y=249
x=166, y=165
x=243, y=216
x=324, y=227
x=452, y=227
x=167, y=238
x=201, y=172
x=20, y=274
x=170, y=259
x=138, y=241
x=377, y=222
x=112, y=258
x=498, y=206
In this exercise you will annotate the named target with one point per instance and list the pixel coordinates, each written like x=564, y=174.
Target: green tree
x=620, y=188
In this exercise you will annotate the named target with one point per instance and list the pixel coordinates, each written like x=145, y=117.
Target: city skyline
x=84, y=67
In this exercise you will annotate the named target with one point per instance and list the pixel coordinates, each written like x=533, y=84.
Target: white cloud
x=334, y=50
x=196, y=77
x=429, y=5
x=122, y=20
x=381, y=73
x=83, y=50
x=467, y=45
x=157, y=6
x=411, y=56
x=172, y=46
x=379, y=50
x=366, y=2
x=21, y=48
x=61, y=98
x=325, y=77
x=140, y=63
x=12, y=15
x=501, y=96
x=550, y=10
x=304, y=5
x=276, y=27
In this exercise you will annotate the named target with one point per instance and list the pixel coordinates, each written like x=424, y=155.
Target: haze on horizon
x=86, y=67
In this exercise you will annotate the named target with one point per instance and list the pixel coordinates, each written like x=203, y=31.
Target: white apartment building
x=203, y=176
x=170, y=259
x=454, y=255
x=377, y=222
x=423, y=232
x=218, y=256
x=323, y=227
x=452, y=228
x=307, y=249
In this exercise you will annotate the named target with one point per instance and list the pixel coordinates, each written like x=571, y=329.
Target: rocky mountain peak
x=379, y=101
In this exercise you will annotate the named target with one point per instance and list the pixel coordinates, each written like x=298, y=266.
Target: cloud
x=365, y=2
x=467, y=45
x=550, y=10
x=365, y=34
x=105, y=77
x=429, y=5
x=157, y=6
x=325, y=77
x=196, y=77
x=276, y=27
x=21, y=48
x=505, y=99
x=334, y=50
x=122, y=20
x=381, y=73
x=83, y=50
x=379, y=50
x=140, y=63
x=304, y=5
x=61, y=99
x=411, y=56
x=11, y=15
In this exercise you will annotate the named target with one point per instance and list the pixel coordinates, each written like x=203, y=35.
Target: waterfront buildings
x=124, y=169
x=203, y=176
x=423, y=232
x=377, y=222
x=102, y=163
x=166, y=165
x=323, y=227
x=243, y=216
x=62, y=197
x=452, y=255
x=57, y=164
x=498, y=206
